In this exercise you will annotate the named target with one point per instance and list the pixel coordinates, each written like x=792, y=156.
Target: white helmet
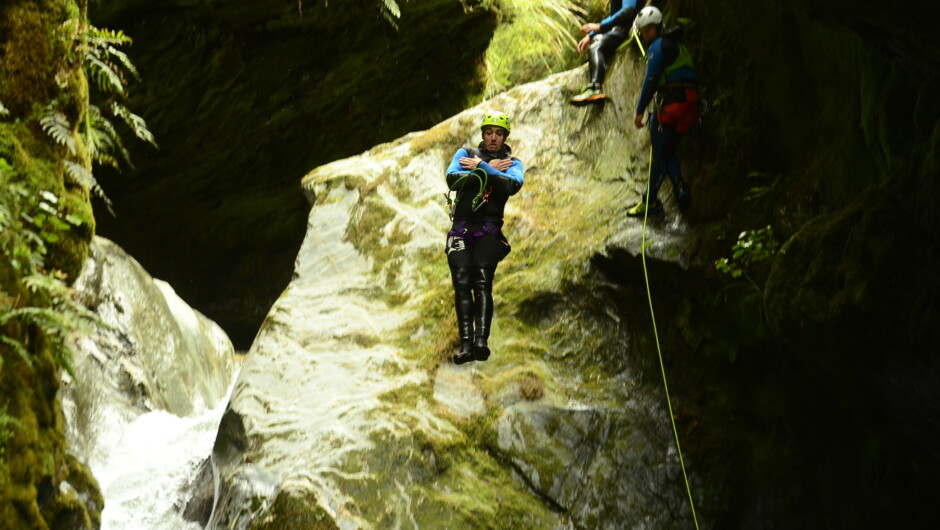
x=648, y=16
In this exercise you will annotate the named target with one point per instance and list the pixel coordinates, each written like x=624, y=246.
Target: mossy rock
x=41, y=486
x=294, y=508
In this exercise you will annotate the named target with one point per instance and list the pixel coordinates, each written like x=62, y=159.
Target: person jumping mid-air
x=482, y=179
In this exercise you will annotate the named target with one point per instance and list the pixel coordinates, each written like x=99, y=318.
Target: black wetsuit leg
x=487, y=253
x=472, y=270
x=460, y=261
x=601, y=51
x=463, y=301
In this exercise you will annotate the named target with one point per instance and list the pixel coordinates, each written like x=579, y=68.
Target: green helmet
x=495, y=117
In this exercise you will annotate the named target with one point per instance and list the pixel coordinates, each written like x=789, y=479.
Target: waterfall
x=151, y=381
x=151, y=466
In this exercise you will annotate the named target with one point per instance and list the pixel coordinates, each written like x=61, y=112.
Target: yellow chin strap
x=636, y=37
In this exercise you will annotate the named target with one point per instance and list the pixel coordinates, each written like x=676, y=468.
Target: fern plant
x=109, y=68
x=40, y=298
x=390, y=11
x=750, y=258
x=57, y=126
x=753, y=248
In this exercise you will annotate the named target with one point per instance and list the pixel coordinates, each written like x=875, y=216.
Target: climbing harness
x=659, y=350
x=677, y=105
x=479, y=200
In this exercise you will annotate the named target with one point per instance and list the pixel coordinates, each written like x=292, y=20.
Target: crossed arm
x=505, y=173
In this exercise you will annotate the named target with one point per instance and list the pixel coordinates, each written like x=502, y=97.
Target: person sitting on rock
x=670, y=80
x=601, y=40
x=482, y=179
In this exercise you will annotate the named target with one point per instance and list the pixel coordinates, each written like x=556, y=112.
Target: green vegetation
x=108, y=67
x=534, y=39
x=33, y=299
x=753, y=249
x=7, y=424
x=53, y=128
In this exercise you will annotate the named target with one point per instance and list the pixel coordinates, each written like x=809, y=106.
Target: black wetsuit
x=615, y=30
x=475, y=243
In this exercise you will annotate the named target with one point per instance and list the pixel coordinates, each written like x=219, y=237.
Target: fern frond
x=62, y=355
x=102, y=139
x=124, y=59
x=17, y=347
x=57, y=126
x=32, y=315
x=80, y=174
x=392, y=7
x=135, y=122
x=83, y=176
x=107, y=79
x=99, y=36
x=390, y=11
x=44, y=282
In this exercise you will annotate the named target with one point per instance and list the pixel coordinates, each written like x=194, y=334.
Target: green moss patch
x=294, y=509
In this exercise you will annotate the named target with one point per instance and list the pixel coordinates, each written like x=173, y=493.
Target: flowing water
x=151, y=381
x=150, y=463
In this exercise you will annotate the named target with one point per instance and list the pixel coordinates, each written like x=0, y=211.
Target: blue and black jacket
x=622, y=13
x=668, y=64
x=501, y=184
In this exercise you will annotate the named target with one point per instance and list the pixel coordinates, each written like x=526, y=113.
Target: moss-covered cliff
x=47, y=225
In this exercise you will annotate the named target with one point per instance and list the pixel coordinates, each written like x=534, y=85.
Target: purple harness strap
x=461, y=231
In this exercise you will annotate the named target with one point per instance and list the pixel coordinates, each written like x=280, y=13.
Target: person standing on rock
x=601, y=41
x=670, y=85
x=481, y=179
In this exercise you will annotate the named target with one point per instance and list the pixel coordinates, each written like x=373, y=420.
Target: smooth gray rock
x=347, y=396
x=149, y=351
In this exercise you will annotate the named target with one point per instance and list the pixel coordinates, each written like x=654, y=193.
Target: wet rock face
x=150, y=351
x=347, y=397
x=244, y=98
x=595, y=464
x=153, y=347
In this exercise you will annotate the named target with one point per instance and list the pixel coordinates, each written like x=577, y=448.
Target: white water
x=148, y=392
x=151, y=459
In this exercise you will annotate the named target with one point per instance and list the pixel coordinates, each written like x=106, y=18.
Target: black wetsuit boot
x=463, y=303
x=483, y=310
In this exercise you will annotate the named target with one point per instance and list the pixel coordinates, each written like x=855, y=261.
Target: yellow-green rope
x=659, y=350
